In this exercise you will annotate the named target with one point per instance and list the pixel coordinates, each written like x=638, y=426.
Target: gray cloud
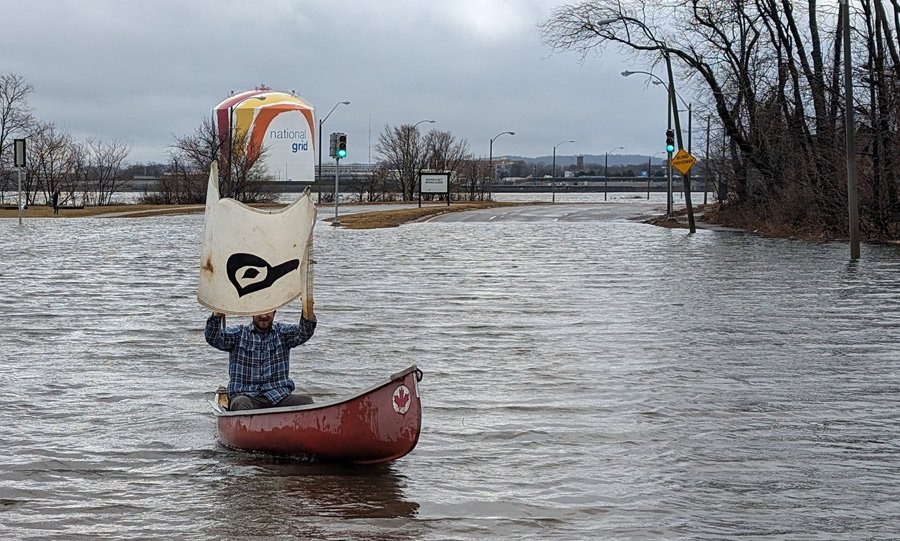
x=142, y=71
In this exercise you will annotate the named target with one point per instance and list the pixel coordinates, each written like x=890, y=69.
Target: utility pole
x=706, y=164
x=852, y=193
x=686, y=180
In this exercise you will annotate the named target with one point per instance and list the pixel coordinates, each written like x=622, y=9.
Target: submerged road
x=567, y=212
x=582, y=380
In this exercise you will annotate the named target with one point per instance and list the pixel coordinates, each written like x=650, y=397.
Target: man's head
x=263, y=322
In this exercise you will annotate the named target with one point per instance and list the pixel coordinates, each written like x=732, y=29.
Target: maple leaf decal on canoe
x=401, y=399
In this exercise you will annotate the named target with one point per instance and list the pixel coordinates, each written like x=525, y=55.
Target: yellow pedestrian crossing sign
x=683, y=161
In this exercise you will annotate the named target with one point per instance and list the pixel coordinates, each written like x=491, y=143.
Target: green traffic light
x=342, y=153
x=670, y=148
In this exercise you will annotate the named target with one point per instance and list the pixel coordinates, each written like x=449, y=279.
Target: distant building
x=579, y=162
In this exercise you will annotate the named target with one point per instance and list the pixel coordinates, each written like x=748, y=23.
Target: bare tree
x=76, y=181
x=179, y=184
x=105, y=164
x=446, y=153
x=249, y=175
x=374, y=186
x=770, y=72
x=15, y=113
x=15, y=119
x=403, y=150
x=242, y=175
x=471, y=177
x=49, y=157
x=189, y=161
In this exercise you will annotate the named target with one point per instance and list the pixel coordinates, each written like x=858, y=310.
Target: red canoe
x=377, y=425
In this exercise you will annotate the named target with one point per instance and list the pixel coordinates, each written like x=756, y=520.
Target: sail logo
x=249, y=273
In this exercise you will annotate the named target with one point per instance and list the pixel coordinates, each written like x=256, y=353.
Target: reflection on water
x=583, y=380
x=263, y=494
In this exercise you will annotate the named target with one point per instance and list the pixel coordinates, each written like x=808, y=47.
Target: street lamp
x=649, y=167
x=322, y=122
x=686, y=104
x=553, y=179
x=669, y=201
x=628, y=73
x=491, y=160
x=689, y=128
x=686, y=182
x=418, y=171
x=606, y=172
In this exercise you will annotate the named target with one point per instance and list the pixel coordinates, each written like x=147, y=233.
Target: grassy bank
x=394, y=218
x=364, y=220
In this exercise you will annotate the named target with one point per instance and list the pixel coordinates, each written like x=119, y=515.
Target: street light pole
x=606, y=172
x=491, y=160
x=690, y=128
x=321, y=123
x=669, y=200
x=686, y=180
x=423, y=121
x=230, y=150
x=553, y=179
x=649, y=167
x=418, y=170
x=553, y=176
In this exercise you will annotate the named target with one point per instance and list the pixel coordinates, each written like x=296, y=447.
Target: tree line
x=402, y=153
x=93, y=170
x=769, y=76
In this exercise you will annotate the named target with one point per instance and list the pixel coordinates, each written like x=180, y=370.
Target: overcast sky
x=141, y=71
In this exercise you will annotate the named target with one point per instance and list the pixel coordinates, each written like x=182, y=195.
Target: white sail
x=254, y=261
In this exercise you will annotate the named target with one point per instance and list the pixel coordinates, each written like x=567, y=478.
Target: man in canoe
x=259, y=359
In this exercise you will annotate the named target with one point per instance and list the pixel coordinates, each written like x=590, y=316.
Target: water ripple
x=582, y=380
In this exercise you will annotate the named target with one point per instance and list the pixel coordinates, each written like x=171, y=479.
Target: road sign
x=19, y=152
x=683, y=161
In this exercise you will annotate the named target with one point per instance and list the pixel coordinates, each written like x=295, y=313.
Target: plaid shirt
x=259, y=362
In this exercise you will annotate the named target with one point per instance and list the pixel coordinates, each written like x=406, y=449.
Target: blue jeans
x=246, y=402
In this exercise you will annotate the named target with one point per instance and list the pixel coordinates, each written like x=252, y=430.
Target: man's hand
x=308, y=313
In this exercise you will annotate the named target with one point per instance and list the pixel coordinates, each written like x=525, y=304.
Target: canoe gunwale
x=219, y=411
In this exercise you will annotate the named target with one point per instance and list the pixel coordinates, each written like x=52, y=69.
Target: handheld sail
x=254, y=261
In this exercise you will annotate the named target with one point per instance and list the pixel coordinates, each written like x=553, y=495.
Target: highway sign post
x=19, y=162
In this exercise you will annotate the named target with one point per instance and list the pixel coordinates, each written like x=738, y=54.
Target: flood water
x=582, y=380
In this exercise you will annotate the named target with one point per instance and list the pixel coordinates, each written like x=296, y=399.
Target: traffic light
x=670, y=141
x=342, y=145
